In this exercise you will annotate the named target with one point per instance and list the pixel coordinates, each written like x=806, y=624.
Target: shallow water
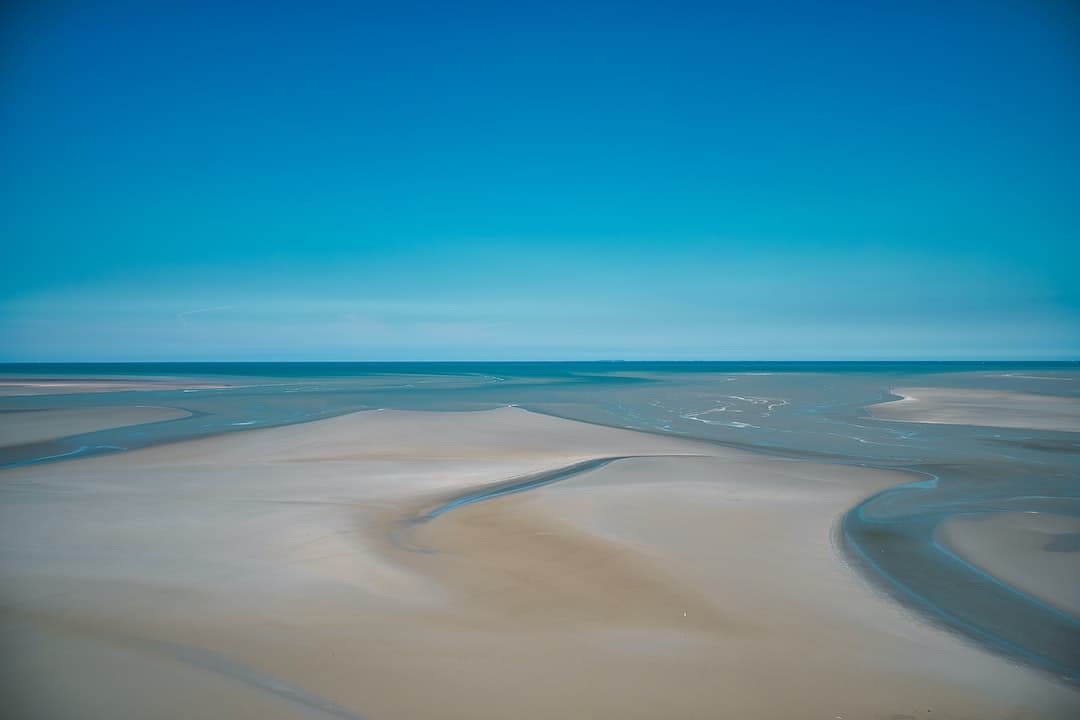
x=800, y=410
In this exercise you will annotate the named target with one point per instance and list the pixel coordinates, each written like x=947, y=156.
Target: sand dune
x=259, y=574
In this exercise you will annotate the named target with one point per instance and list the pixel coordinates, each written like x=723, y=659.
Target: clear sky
x=456, y=180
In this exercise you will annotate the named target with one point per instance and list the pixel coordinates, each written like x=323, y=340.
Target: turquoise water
x=798, y=410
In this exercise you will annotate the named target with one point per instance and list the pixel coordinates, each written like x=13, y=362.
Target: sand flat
x=31, y=426
x=261, y=571
x=991, y=408
x=1038, y=553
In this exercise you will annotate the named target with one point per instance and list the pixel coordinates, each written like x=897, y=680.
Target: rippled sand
x=264, y=574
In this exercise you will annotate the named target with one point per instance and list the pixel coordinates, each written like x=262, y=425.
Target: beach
x=324, y=569
x=540, y=361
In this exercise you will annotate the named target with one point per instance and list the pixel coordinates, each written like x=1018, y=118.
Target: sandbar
x=23, y=427
x=991, y=408
x=12, y=386
x=1036, y=552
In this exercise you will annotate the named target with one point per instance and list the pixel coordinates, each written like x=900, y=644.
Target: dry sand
x=1038, y=553
x=262, y=574
x=30, y=426
x=991, y=408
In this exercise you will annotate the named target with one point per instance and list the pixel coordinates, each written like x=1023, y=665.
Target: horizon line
x=504, y=361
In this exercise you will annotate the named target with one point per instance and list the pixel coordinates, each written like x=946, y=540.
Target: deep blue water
x=801, y=410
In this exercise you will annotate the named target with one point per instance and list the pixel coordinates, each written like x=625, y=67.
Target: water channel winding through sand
x=808, y=410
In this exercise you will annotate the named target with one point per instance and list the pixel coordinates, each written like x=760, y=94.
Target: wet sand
x=263, y=574
x=1037, y=553
x=34, y=426
x=991, y=408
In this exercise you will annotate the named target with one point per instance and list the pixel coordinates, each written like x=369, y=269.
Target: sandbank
x=1036, y=552
x=15, y=386
x=23, y=427
x=991, y=408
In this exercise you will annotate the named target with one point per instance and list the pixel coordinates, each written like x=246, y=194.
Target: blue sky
x=291, y=181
